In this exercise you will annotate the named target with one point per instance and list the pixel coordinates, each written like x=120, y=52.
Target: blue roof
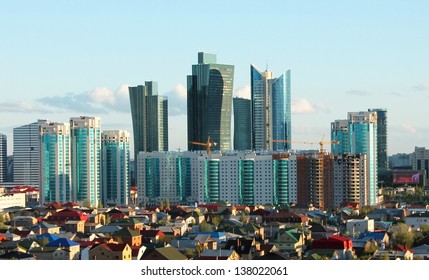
x=373, y=235
x=62, y=242
x=49, y=236
x=215, y=234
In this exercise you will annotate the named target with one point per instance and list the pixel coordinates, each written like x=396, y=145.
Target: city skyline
x=70, y=59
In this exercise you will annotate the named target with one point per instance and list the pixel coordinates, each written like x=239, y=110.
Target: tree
x=161, y=205
x=216, y=220
x=167, y=204
x=403, y=235
x=205, y=227
x=86, y=203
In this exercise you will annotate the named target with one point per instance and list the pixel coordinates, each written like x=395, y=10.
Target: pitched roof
x=62, y=242
x=51, y=237
x=125, y=233
x=171, y=253
x=15, y=255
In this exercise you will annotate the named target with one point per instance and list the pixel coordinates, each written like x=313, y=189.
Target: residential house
x=290, y=240
x=207, y=242
x=164, y=253
x=319, y=231
x=23, y=221
x=287, y=217
x=60, y=218
x=421, y=252
x=152, y=235
x=342, y=245
x=73, y=248
x=245, y=247
x=50, y=253
x=45, y=228
x=128, y=236
x=130, y=223
x=417, y=219
x=75, y=226
x=357, y=226
x=16, y=255
x=110, y=251
x=107, y=230
x=220, y=254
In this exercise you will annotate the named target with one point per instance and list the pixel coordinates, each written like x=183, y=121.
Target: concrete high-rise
x=149, y=112
x=115, y=167
x=55, y=163
x=3, y=157
x=271, y=110
x=242, y=124
x=86, y=159
x=26, y=154
x=209, y=96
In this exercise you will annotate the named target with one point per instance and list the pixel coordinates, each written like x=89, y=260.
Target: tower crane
x=321, y=143
x=208, y=144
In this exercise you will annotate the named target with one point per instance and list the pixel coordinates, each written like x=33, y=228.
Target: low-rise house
x=110, y=251
x=23, y=221
x=45, y=228
x=164, y=253
x=60, y=218
x=357, y=226
x=128, y=236
x=342, y=245
x=421, y=252
x=130, y=223
x=287, y=217
x=416, y=220
x=207, y=242
x=72, y=247
x=244, y=246
x=75, y=226
x=16, y=255
x=50, y=253
x=152, y=235
x=319, y=231
x=107, y=230
x=220, y=254
x=290, y=240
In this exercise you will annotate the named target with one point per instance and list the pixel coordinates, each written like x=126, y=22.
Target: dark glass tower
x=149, y=112
x=3, y=157
x=210, y=103
x=242, y=124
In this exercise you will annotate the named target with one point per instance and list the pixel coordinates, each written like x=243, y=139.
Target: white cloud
x=302, y=106
x=243, y=92
x=409, y=128
x=424, y=86
x=177, y=100
x=102, y=95
x=22, y=107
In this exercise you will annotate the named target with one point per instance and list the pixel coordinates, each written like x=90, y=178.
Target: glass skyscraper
x=115, y=167
x=26, y=154
x=55, y=163
x=271, y=110
x=149, y=112
x=340, y=133
x=209, y=96
x=382, y=162
x=242, y=124
x=86, y=159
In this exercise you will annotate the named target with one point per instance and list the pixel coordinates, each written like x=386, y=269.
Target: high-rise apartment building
x=115, y=167
x=242, y=124
x=26, y=154
x=3, y=157
x=382, y=160
x=86, y=159
x=209, y=97
x=55, y=163
x=363, y=140
x=271, y=110
x=237, y=177
x=149, y=112
x=340, y=135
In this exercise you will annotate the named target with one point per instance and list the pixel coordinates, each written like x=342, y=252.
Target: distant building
x=55, y=163
x=3, y=158
x=115, y=167
x=242, y=124
x=149, y=112
x=209, y=96
x=86, y=159
x=382, y=163
x=271, y=110
x=420, y=160
x=26, y=154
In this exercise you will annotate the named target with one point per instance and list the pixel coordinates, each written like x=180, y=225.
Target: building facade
x=209, y=97
x=26, y=154
x=86, y=159
x=271, y=110
x=420, y=161
x=242, y=124
x=115, y=167
x=382, y=160
x=3, y=158
x=55, y=163
x=149, y=112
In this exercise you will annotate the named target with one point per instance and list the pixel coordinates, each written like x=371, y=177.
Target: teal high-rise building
x=340, y=135
x=86, y=159
x=242, y=124
x=209, y=97
x=115, y=167
x=149, y=112
x=55, y=163
x=271, y=110
x=363, y=140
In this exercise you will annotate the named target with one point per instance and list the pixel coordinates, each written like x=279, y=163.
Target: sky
x=62, y=59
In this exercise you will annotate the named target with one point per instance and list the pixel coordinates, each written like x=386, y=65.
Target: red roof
x=212, y=207
x=333, y=242
x=23, y=189
x=67, y=215
x=350, y=204
x=70, y=205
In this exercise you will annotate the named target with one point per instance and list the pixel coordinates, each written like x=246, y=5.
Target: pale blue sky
x=62, y=59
